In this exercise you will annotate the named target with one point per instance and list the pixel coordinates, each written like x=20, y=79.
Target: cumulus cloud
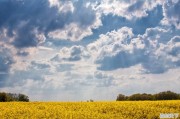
x=64, y=67
x=74, y=53
x=103, y=79
x=30, y=27
x=63, y=6
x=174, y=46
x=26, y=24
x=112, y=49
x=71, y=32
x=39, y=65
x=6, y=61
x=171, y=10
x=35, y=71
x=129, y=9
x=121, y=49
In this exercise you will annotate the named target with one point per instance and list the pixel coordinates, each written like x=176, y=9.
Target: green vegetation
x=8, y=97
x=166, y=95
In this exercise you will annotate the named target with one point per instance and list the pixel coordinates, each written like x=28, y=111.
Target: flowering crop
x=88, y=110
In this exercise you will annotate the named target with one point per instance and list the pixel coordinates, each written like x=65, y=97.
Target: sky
x=76, y=50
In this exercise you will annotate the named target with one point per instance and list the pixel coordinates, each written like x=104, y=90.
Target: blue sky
x=75, y=50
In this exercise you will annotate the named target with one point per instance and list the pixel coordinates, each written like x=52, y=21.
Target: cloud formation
x=6, y=62
x=92, y=48
x=74, y=53
x=48, y=19
x=129, y=9
x=121, y=49
x=171, y=10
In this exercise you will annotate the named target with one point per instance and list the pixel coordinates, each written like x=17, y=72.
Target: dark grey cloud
x=64, y=67
x=6, y=60
x=36, y=71
x=39, y=65
x=122, y=59
x=156, y=51
x=21, y=18
x=103, y=79
x=139, y=26
x=30, y=21
x=155, y=65
x=56, y=58
x=171, y=10
x=175, y=49
x=75, y=53
x=22, y=53
x=27, y=23
x=136, y=6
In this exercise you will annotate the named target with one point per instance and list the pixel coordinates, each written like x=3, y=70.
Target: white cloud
x=71, y=32
x=112, y=42
x=129, y=9
x=121, y=49
x=63, y=6
x=74, y=53
x=171, y=10
x=84, y=19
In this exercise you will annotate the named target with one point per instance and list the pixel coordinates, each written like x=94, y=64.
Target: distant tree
x=121, y=97
x=23, y=98
x=135, y=97
x=145, y=96
x=7, y=97
x=3, y=97
x=12, y=97
x=167, y=95
x=91, y=100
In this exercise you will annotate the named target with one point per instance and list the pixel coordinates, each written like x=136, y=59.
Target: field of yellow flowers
x=88, y=110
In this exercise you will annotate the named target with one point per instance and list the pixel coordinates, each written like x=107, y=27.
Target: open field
x=88, y=110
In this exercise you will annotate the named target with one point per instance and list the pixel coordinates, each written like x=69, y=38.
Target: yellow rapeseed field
x=88, y=110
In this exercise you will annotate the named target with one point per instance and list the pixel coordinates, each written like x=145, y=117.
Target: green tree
x=167, y=95
x=3, y=97
x=121, y=97
x=23, y=98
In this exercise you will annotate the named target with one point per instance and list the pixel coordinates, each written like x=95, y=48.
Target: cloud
x=112, y=49
x=129, y=9
x=122, y=49
x=103, y=79
x=48, y=19
x=74, y=53
x=35, y=71
x=21, y=21
x=22, y=53
x=84, y=20
x=23, y=28
x=64, y=67
x=39, y=65
x=63, y=6
x=71, y=32
x=6, y=61
x=174, y=46
x=171, y=10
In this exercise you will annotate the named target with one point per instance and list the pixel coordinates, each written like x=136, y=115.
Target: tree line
x=166, y=95
x=8, y=97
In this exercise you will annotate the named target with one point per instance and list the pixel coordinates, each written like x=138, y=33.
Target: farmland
x=88, y=110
